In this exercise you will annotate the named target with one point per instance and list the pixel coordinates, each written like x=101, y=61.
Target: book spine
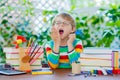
x=112, y=59
x=42, y=72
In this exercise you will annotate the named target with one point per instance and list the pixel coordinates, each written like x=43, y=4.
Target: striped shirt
x=64, y=58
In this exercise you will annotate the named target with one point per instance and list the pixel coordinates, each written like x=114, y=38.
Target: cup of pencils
x=28, y=55
x=76, y=67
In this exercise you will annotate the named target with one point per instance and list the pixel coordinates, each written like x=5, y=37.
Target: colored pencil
x=34, y=54
x=33, y=50
x=35, y=58
x=37, y=55
x=29, y=43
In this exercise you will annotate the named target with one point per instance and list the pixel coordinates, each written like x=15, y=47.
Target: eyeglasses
x=64, y=23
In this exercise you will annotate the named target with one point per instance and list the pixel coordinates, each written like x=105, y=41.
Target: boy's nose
x=62, y=24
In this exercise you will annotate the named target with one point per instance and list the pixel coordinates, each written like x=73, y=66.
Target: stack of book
x=96, y=58
x=12, y=57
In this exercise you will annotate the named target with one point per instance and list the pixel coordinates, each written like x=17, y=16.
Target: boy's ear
x=73, y=29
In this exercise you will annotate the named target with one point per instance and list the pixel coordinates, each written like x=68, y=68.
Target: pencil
x=34, y=54
x=35, y=57
x=28, y=45
x=31, y=47
x=33, y=50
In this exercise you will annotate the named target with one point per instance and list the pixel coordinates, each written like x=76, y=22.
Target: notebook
x=9, y=71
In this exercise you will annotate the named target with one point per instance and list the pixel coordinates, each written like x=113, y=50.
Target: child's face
x=64, y=27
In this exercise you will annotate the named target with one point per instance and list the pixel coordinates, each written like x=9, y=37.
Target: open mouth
x=61, y=31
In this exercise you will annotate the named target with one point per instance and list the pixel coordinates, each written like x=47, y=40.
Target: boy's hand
x=55, y=35
x=71, y=38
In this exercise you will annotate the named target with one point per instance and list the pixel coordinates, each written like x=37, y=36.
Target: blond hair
x=67, y=17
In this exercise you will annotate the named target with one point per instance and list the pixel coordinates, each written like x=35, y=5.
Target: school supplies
x=42, y=71
x=35, y=56
x=23, y=61
x=94, y=56
x=12, y=57
x=100, y=61
x=26, y=58
x=97, y=50
x=116, y=59
x=76, y=69
x=7, y=69
x=95, y=62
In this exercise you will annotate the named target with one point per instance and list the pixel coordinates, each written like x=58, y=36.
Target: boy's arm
x=52, y=51
x=74, y=52
x=56, y=48
x=52, y=56
x=56, y=38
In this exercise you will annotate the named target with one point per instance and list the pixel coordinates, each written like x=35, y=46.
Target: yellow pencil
x=28, y=45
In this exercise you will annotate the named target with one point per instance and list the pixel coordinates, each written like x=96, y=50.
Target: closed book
x=16, y=50
x=42, y=71
x=116, y=59
x=11, y=55
x=32, y=67
x=16, y=62
x=97, y=50
x=96, y=56
x=95, y=62
x=89, y=68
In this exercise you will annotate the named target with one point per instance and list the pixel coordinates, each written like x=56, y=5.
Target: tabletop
x=59, y=74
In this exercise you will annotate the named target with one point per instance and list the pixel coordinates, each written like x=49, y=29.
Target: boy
x=64, y=48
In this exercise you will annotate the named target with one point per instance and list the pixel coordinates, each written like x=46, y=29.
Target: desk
x=59, y=74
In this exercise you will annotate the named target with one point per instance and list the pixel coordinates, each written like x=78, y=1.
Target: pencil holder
x=76, y=68
x=24, y=60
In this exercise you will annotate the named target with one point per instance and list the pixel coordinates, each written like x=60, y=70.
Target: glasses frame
x=62, y=23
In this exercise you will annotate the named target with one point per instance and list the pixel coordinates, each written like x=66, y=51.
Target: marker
x=99, y=72
x=72, y=32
